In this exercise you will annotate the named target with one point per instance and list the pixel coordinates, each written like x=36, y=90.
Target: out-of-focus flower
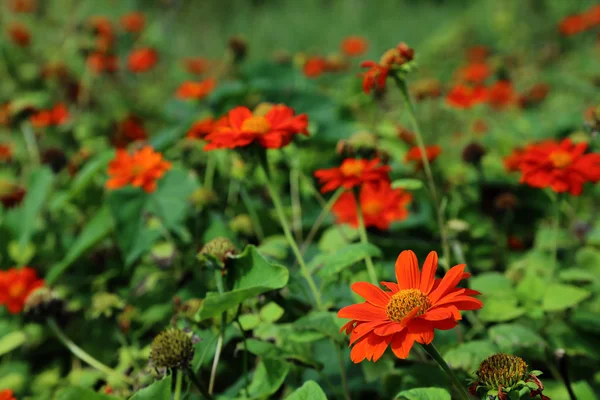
x=354, y=46
x=102, y=27
x=133, y=22
x=572, y=25
x=405, y=135
x=513, y=161
x=195, y=90
x=15, y=285
x=560, y=166
x=475, y=73
x=140, y=169
x=414, y=155
x=22, y=6
x=351, y=173
x=477, y=54
x=203, y=127
x=99, y=63
x=5, y=153
x=409, y=311
x=142, y=60
x=57, y=115
x=55, y=158
x=375, y=78
x=336, y=63
x=592, y=16
x=462, y=96
x=196, y=65
x=501, y=94
x=535, y=95
x=129, y=130
x=473, y=153
x=314, y=67
x=7, y=394
x=271, y=130
x=380, y=205
x=19, y=34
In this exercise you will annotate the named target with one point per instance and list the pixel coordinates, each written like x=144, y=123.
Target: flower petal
x=364, y=328
x=407, y=270
x=388, y=329
x=363, y=312
x=449, y=281
x=371, y=293
x=428, y=272
x=402, y=342
x=376, y=346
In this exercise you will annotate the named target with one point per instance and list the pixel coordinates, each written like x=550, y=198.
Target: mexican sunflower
x=142, y=60
x=462, y=96
x=354, y=46
x=408, y=311
x=353, y=172
x=133, y=22
x=129, y=130
x=99, y=62
x=196, y=65
x=380, y=205
x=203, y=127
x=475, y=73
x=377, y=74
x=57, y=115
x=573, y=24
x=414, y=154
x=140, y=169
x=19, y=34
x=314, y=67
x=7, y=394
x=5, y=153
x=190, y=90
x=501, y=94
x=272, y=129
x=561, y=166
x=15, y=285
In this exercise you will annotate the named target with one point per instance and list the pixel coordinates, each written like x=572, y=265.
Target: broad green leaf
x=97, y=229
x=407, y=184
x=559, y=297
x=79, y=393
x=269, y=350
x=309, y=391
x=424, y=394
x=491, y=284
x=271, y=312
x=498, y=309
x=11, y=341
x=510, y=338
x=252, y=275
x=467, y=356
x=268, y=378
x=170, y=201
x=337, y=236
x=332, y=264
x=159, y=390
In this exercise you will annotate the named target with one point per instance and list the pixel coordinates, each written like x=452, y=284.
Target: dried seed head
x=501, y=370
x=220, y=248
x=172, y=348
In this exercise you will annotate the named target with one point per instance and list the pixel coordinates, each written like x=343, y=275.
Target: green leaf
x=332, y=264
x=511, y=338
x=96, y=230
x=11, y=341
x=269, y=350
x=498, y=309
x=337, y=236
x=559, y=297
x=170, y=202
x=268, y=378
x=324, y=322
x=159, y=390
x=271, y=312
x=79, y=393
x=252, y=275
x=407, y=184
x=491, y=283
x=467, y=356
x=424, y=394
x=309, y=391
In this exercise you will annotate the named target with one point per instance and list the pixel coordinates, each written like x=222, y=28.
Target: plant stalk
x=435, y=354
x=362, y=231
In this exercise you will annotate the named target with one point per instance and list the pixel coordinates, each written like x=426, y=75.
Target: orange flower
x=314, y=67
x=7, y=394
x=57, y=115
x=573, y=24
x=353, y=172
x=195, y=90
x=535, y=95
x=15, y=285
x=19, y=34
x=405, y=135
x=103, y=29
x=140, y=169
x=501, y=94
x=462, y=96
x=414, y=154
x=142, y=60
x=475, y=73
x=99, y=62
x=477, y=54
x=22, y=6
x=380, y=204
x=377, y=74
x=133, y=22
x=272, y=129
x=354, y=46
x=5, y=153
x=563, y=167
x=592, y=16
x=129, y=130
x=409, y=311
x=196, y=66
x=205, y=126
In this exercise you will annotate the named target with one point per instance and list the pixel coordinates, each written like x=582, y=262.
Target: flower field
x=296, y=200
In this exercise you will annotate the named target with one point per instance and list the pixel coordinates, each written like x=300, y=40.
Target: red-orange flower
x=314, y=67
x=140, y=169
x=477, y=54
x=195, y=90
x=5, y=153
x=22, y=6
x=462, y=96
x=133, y=22
x=354, y=46
x=99, y=62
x=205, y=126
x=272, y=129
x=414, y=154
x=19, y=34
x=380, y=205
x=560, y=166
x=142, y=60
x=196, y=66
x=592, y=16
x=409, y=311
x=501, y=94
x=130, y=130
x=103, y=29
x=573, y=24
x=15, y=285
x=377, y=74
x=475, y=73
x=7, y=394
x=353, y=172
x=512, y=162
x=57, y=115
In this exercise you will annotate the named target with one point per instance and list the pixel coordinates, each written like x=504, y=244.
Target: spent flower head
x=172, y=348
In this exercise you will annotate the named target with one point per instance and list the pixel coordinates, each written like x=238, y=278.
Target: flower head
x=353, y=172
x=573, y=24
x=5, y=153
x=501, y=94
x=380, y=205
x=133, y=22
x=140, y=169
x=19, y=34
x=196, y=65
x=475, y=73
x=129, y=130
x=7, y=394
x=409, y=311
x=354, y=46
x=22, y=6
x=99, y=63
x=376, y=76
x=314, y=67
x=15, y=286
x=57, y=115
x=142, y=60
x=560, y=166
x=462, y=96
x=195, y=90
x=172, y=348
x=272, y=130
x=414, y=155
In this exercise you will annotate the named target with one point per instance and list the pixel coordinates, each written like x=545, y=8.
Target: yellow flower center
x=560, y=158
x=258, y=124
x=352, y=168
x=16, y=290
x=404, y=302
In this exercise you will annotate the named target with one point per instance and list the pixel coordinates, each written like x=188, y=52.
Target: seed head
x=501, y=370
x=172, y=348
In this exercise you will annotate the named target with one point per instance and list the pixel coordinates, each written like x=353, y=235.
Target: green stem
x=435, y=354
x=198, y=384
x=290, y=238
x=556, y=228
x=209, y=173
x=31, y=145
x=431, y=183
x=296, y=205
x=82, y=355
x=245, y=360
x=325, y=210
x=362, y=231
x=252, y=212
x=178, y=381
x=213, y=372
x=343, y=373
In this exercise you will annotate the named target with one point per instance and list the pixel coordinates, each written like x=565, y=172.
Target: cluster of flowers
x=352, y=46
x=16, y=284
